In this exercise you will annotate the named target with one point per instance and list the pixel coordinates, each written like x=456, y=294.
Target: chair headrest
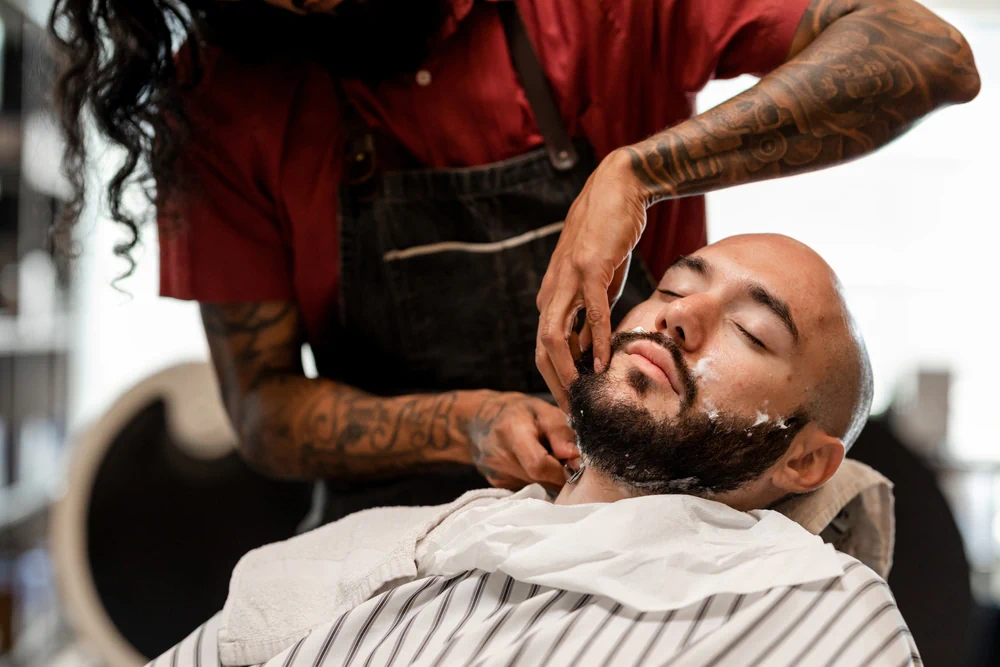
x=854, y=512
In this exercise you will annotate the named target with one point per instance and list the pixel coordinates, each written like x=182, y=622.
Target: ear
x=812, y=459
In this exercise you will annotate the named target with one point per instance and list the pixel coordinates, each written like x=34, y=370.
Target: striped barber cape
x=518, y=580
x=490, y=619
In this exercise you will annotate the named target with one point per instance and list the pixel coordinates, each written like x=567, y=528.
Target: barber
x=390, y=181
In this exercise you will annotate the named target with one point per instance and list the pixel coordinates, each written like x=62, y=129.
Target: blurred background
x=100, y=389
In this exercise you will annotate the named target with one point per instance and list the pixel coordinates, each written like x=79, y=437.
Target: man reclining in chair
x=739, y=383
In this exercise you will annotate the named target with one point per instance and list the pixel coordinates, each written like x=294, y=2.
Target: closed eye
x=753, y=339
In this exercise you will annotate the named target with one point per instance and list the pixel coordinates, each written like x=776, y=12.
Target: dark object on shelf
x=6, y=617
x=930, y=574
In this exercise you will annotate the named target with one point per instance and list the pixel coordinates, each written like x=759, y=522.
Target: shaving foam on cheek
x=710, y=410
x=703, y=370
x=763, y=418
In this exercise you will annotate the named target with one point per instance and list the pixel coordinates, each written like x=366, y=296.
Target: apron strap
x=560, y=147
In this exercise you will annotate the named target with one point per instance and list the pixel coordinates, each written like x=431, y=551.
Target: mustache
x=585, y=365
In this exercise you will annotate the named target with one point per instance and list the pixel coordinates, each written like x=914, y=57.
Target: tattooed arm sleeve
x=294, y=427
x=860, y=73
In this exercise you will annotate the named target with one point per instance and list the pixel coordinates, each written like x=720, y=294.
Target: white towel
x=279, y=592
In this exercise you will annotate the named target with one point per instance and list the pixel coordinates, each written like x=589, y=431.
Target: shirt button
x=423, y=78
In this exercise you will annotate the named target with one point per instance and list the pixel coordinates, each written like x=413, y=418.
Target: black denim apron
x=439, y=274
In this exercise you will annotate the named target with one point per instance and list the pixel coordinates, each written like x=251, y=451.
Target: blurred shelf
x=950, y=464
x=28, y=336
x=23, y=501
x=46, y=641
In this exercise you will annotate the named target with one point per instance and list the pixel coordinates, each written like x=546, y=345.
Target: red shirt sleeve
x=698, y=40
x=221, y=237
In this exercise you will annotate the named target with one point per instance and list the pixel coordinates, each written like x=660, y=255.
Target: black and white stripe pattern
x=489, y=619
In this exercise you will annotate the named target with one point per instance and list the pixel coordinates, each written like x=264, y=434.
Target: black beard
x=691, y=453
x=370, y=40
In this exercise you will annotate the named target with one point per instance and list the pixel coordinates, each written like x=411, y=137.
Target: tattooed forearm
x=862, y=72
x=296, y=427
x=318, y=428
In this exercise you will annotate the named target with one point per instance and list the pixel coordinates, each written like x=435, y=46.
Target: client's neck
x=591, y=487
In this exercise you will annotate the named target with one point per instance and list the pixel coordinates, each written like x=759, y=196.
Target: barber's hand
x=508, y=436
x=588, y=270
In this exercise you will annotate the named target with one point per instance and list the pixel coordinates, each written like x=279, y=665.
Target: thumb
x=617, y=285
x=553, y=425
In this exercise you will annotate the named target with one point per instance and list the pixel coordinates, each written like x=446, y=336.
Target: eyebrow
x=696, y=264
x=760, y=295
x=757, y=292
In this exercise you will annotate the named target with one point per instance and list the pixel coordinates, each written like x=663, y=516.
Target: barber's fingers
x=574, y=346
x=615, y=290
x=617, y=286
x=554, y=326
x=553, y=426
x=538, y=465
x=504, y=482
x=502, y=470
x=586, y=339
x=598, y=321
x=548, y=370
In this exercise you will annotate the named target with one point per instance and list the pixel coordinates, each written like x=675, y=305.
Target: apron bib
x=440, y=270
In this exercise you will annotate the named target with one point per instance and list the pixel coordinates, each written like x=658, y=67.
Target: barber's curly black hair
x=118, y=65
x=118, y=69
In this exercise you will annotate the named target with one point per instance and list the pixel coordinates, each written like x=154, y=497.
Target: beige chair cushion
x=853, y=512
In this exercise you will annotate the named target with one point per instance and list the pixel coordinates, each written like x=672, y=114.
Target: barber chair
x=930, y=573
x=158, y=508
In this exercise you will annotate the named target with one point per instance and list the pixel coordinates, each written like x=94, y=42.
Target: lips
x=658, y=356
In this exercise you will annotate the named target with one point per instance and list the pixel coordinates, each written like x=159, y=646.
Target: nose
x=689, y=320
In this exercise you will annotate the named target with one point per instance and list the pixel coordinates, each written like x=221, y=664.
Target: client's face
x=708, y=377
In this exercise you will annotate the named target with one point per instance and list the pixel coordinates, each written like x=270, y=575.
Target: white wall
x=122, y=338
x=913, y=232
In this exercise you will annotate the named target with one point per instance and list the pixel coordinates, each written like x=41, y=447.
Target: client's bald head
x=744, y=377
x=840, y=392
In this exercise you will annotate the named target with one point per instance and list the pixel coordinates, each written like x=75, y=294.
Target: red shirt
x=259, y=220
